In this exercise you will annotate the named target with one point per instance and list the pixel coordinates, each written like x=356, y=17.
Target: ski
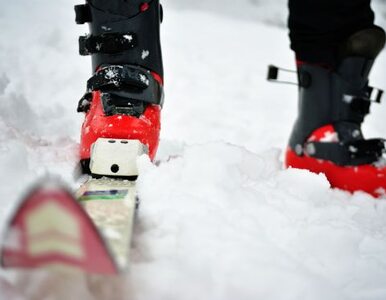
x=111, y=205
x=89, y=231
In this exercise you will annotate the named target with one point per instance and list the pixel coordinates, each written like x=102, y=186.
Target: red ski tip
x=50, y=230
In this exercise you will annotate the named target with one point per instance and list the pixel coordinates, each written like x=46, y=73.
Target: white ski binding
x=116, y=157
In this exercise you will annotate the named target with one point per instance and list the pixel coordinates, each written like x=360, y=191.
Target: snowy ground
x=223, y=220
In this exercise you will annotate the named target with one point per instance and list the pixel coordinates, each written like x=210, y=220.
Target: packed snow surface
x=220, y=218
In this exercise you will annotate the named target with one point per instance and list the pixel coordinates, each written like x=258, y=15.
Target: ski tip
x=50, y=230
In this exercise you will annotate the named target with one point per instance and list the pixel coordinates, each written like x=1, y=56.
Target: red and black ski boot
x=327, y=136
x=125, y=94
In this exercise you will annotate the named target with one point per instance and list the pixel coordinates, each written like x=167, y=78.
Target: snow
x=145, y=54
x=219, y=217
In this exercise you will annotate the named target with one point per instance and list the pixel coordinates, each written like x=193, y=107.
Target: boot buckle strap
x=117, y=76
x=130, y=82
x=107, y=43
x=82, y=14
x=84, y=103
x=375, y=94
x=351, y=153
x=359, y=107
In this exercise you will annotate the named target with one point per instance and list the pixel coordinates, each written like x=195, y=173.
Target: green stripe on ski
x=94, y=198
x=104, y=195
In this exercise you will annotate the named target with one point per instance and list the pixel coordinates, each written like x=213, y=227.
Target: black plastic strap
x=119, y=77
x=116, y=105
x=273, y=75
x=360, y=105
x=349, y=153
x=82, y=14
x=126, y=81
x=375, y=94
x=85, y=103
x=108, y=43
x=354, y=109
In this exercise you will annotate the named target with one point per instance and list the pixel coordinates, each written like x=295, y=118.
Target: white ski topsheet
x=222, y=220
x=111, y=205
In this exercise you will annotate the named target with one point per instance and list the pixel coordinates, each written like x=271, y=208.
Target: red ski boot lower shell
x=367, y=178
x=96, y=125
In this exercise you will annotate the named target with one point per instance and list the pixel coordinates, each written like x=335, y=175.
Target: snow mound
x=220, y=222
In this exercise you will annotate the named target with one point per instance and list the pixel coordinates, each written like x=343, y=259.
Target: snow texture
x=219, y=218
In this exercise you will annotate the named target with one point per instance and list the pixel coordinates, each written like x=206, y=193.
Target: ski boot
x=125, y=94
x=327, y=136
